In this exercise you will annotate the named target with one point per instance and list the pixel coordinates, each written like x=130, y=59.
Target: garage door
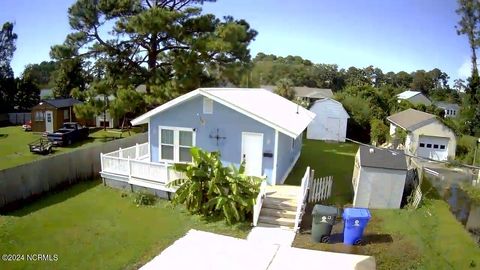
x=433, y=147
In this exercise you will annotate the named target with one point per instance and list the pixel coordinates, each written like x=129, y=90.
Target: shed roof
x=382, y=158
x=62, y=102
x=342, y=110
x=259, y=104
x=303, y=91
x=411, y=119
x=408, y=94
x=447, y=105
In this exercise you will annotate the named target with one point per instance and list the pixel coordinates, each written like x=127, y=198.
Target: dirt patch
x=391, y=251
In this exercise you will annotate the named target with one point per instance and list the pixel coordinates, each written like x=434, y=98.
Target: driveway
x=203, y=250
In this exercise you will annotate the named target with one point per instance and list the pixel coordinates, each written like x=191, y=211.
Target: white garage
x=427, y=137
x=330, y=124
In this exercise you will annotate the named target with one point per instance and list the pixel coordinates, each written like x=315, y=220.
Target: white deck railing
x=259, y=201
x=133, y=163
x=302, y=197
x=138, y=152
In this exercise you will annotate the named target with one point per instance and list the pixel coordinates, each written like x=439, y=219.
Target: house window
x=422, y=145
x=435, y=146
x=167, y=144
x=39, y=116
x=175, y=144
x=65, y=115
x=442, y=147
x=207, y=106
x=429, y=145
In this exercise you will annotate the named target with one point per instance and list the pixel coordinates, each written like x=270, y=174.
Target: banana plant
x=210, y=188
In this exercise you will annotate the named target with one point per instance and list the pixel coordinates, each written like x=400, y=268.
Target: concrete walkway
x=209, y=251
x=271, y=236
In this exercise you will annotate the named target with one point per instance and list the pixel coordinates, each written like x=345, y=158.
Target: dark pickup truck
x=70, y=132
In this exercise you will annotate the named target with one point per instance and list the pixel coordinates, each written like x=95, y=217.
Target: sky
x=403, y=35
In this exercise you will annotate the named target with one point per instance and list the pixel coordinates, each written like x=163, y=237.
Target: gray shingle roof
x=382, y=158
x=62, y=102
x=411, y=119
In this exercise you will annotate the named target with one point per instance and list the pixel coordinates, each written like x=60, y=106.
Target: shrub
x=210, y=189
x=143, y=198
x=379, y=132
x=466, y=149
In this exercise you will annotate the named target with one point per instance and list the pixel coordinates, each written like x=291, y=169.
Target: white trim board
x=275, y=159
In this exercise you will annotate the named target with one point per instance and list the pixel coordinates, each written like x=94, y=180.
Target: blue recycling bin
x=354, y=222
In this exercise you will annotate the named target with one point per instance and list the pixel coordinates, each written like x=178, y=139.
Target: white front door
x=49, y=121
x=252, y=153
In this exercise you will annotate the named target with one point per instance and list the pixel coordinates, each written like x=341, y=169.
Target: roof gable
x=323, y=101
x=408, y=94
x=259, y=104
x=411, y=119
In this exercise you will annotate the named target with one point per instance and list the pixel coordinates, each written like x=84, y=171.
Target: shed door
x=433, y=147
x=49, y=121
x=252, y=149
x=332, y=127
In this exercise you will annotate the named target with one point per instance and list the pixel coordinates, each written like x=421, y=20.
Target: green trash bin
x=323, y=218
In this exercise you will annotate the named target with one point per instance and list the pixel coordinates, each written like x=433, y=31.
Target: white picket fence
x=320, y=189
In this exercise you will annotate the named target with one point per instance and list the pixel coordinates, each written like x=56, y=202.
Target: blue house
x=255, y=125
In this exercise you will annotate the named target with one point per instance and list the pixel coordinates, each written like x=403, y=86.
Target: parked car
x=69, y=133
x=27, y=126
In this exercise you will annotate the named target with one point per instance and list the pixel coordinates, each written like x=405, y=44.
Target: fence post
x=137, y=151
x=120, y=153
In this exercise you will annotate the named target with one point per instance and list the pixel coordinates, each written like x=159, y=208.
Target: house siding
x=435, y=129
x=230, y=124
x=287, y=155
x=379, y=188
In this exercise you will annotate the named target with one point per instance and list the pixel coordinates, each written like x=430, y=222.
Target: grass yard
x=335, y=159
x=427, y=238
x=90, y=226
x=14, y=149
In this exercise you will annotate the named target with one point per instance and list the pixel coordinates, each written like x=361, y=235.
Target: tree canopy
x=7, y=81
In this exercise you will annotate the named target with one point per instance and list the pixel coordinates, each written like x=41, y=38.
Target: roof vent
x=371, y=150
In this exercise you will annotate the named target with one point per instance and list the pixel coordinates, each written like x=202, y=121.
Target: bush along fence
x=30, y=180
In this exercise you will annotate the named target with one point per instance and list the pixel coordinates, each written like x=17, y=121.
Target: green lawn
x=90, y=226
x=335, y=159
x=14, y=144
x=427, y=238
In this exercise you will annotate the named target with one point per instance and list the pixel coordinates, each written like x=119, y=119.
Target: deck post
x=129, y=169
x=101, y=161
x=120, y=153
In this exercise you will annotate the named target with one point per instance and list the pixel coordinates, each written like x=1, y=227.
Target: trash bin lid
x=324, y=210
x=356, y=213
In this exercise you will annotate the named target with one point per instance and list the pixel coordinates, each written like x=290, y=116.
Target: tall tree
x=28, y=94
x=285, y=89
x=69, y=76
x=469, y=11
x=7, y=81
x=155, y=40
x=40, y=74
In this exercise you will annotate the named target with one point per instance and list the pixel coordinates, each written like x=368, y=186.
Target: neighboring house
x=330, y=124
x=378, y=178
x=243, y=124
x=50, y=114
x=450, y=109
x=309, y=94
x=426, y=136
x=46, y=93
x=414, y=97
x=105, y=119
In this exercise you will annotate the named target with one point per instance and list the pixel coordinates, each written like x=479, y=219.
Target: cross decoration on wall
x=216, y=135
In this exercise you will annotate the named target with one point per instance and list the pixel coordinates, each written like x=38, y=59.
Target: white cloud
x=465, y=70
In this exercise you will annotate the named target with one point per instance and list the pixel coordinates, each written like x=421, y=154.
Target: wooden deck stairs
x=279, y=207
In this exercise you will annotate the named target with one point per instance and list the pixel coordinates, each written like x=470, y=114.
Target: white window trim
x=207, y=105
x=176, y=143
